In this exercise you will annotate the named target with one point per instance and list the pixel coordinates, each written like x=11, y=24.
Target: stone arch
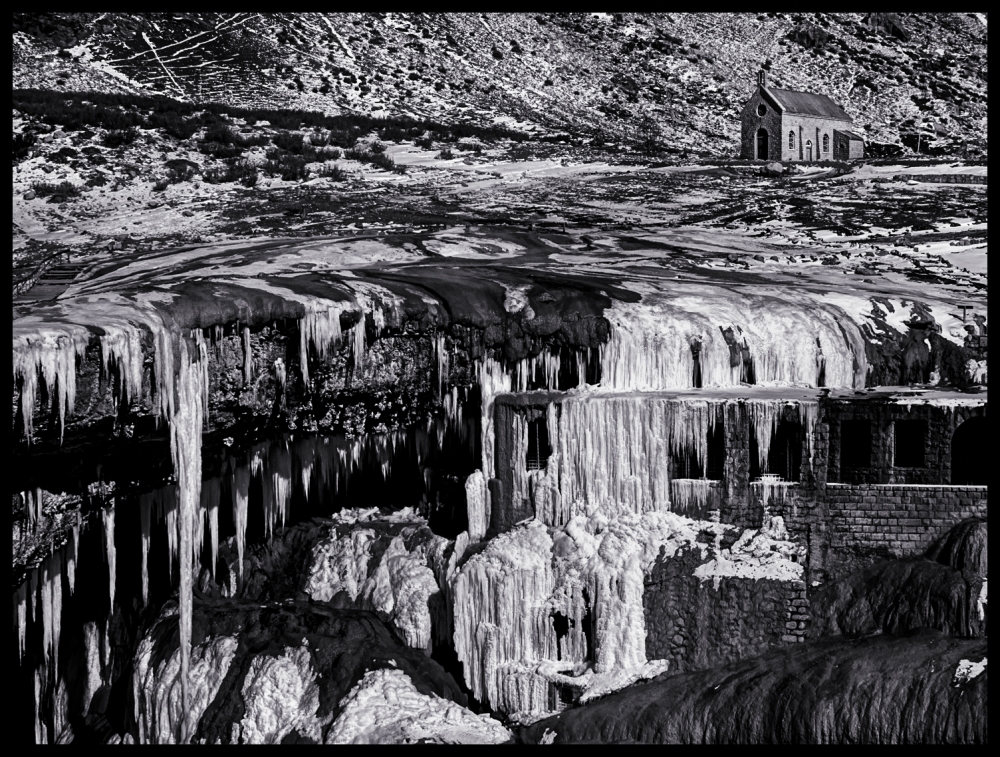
x=969, y=445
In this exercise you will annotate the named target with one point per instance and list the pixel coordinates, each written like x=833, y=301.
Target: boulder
x=774, y=169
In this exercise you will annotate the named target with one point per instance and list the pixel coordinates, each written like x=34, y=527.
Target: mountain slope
x=582, y=73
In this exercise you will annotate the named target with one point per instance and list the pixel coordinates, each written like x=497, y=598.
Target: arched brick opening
x=969, y=444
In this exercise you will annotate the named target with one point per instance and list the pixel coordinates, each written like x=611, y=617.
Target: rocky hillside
x=595, y=74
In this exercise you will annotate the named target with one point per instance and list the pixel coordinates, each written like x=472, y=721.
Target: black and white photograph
x=499, y=378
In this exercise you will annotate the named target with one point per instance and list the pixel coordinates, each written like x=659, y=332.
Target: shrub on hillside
x=117, y=111
x=180, y=170
x=334, y=172
x=220, y=151
x=240, y=171
x=174, y=125
x=445, y=154
x=56, y=192
x=22, y=144
x=286, y=165
x=425, y=142
x=119, y=137
x=379, y=159
x=292, y=143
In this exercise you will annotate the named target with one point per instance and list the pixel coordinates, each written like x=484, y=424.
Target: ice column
x=185, y=447
x=108, y=520
x=241, y=495
x=499, y=609
x=477, y=505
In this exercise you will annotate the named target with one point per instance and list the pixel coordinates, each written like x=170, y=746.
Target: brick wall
x=695, y=625
x=941, y=426
x=811, y=128
x=870, y=521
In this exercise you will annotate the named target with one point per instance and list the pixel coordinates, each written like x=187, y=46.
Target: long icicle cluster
x=53, y=356
x=185, y=446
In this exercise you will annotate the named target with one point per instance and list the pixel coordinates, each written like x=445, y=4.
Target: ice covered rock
x=386, y=708
x=264, y=674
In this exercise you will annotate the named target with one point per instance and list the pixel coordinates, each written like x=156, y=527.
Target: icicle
x=122, y=346
x=280, y=374
x=170, y=505
x=321, y=329
x=35, y=577
x=145, y=508
x=211, y=493
x=71, y=550
x=41, y=732
x=281, y=480
x=47, y=625
x=185, y=448
x=493, y=380
x=108, y=520
x=241, y=494
x=358, y=343
x=164, y=344
x=54, y=356
x=441, y=356
x=21, y=618
x=764, y=417
x=770, y=488
x=247, y=357
x=55, y=578
x=693, y=495
x=199, y=340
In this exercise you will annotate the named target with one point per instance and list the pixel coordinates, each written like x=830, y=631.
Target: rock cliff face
x=878, y=690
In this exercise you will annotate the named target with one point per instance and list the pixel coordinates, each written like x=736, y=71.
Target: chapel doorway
x=809, y=150
x=762, y=144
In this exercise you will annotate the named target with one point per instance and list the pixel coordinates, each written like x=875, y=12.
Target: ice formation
x=160, y=714
x=758, y=553
x=320, y=330
x=507, y=596
x=108, y=521
x=693, y=494
x=280, y=694
x=654, y=342
x=770, y=490
x=185, y=448
x=967, y=670
x=477, y=505
x=386, y=708
x=499, y=610
x=241, y=495
x=247, y=356
x=53, y=355
x=613, y=450
x=398, y=586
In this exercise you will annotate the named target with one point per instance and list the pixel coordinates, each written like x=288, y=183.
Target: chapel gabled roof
x=808, y=104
